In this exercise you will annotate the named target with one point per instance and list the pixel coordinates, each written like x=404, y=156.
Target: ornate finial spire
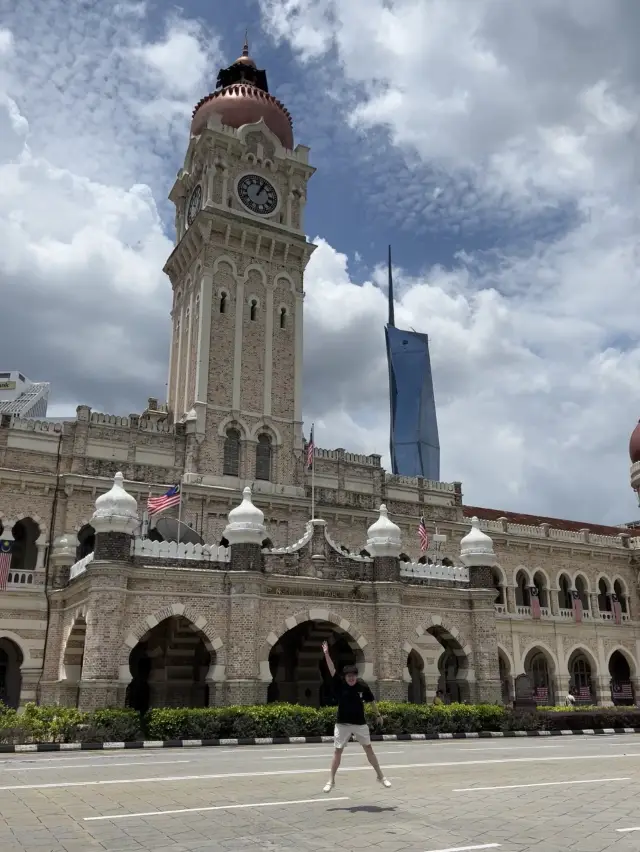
x=245, y=48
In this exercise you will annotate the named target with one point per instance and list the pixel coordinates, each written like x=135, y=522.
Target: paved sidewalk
x=514, y=796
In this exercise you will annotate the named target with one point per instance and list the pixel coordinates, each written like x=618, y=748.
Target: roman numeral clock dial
x=257, y=194
x=195, y=203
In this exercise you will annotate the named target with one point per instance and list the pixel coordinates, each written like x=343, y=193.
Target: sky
x=494, y=144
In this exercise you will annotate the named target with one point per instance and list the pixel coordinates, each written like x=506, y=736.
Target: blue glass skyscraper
x=415, y=446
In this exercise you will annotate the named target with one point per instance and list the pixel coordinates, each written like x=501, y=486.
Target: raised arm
x=328, y=660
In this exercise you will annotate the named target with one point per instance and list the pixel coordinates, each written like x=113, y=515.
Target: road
x=517, y=795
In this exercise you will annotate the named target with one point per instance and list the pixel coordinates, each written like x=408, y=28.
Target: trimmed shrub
x=67, y=725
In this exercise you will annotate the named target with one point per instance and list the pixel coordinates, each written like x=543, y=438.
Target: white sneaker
x=384, y=781
x=328, y=787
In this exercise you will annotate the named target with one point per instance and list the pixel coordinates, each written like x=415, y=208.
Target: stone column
x=595, y=606
x=384, y=543
x=115, y=521
x=511, y=598
x=553, y=602
x=245, y=533
x=476, y=552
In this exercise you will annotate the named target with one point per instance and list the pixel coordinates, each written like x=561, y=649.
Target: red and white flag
x=172, y=497
x=423, y=535
x=5, y=561
x=535, y=602
x=577, y=606
x=617, y=609
x=311, y=449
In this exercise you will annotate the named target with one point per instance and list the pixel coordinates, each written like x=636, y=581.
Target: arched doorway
x=580, y=678
x=169, y=667
x=604, y=595
x=538, y=670
x=498, y=585
x=74, y=657
x=621, y=685
x=10, y=675
x=583, y=593
x=298, y=670
x=417, y=688
x=505, y=679
x=453, y=666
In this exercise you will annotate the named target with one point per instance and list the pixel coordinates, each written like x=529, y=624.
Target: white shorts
x=343, y=733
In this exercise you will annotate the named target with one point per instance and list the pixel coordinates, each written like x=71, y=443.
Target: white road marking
x=467, y=848
x=327, y=754
x=506, y=748
x=277, y=772
x=625, y=830
x=222, y=808
x=541, y=784
x=97, y=765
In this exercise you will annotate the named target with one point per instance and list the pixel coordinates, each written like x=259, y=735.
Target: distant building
x=414, y=443
x=21, y=397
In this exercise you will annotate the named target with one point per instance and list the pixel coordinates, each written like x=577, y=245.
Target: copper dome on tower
x=242, y=97
x=634, y=444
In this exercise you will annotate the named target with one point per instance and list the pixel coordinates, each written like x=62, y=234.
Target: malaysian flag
x=617, y=609
x=423, y=535
x=5, y=561
x=158, y=504
x=311, y=448
x=535, y=602
x=577, y=605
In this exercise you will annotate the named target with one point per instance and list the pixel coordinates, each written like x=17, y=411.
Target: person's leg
x=340, y=738
x=373, y=760
x=363, y=736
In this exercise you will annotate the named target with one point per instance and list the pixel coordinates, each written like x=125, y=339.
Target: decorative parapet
x=298, y=545
x=393, y=480
x=422, y=571
x=173, y=550
x=341, y=455
x=544, y=531
x=80, y=566
x=26, y=425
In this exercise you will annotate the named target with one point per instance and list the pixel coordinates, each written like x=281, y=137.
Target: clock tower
x=235, y=373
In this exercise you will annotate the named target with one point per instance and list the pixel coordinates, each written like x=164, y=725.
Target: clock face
x=257, y=194
x=195, y=203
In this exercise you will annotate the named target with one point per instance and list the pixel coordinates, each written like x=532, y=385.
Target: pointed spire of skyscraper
x=392, y=318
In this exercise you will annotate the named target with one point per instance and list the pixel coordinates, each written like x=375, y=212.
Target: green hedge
x=68, y=725
x=63, y=724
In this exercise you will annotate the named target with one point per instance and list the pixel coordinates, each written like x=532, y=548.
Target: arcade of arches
x=25, y=551
x=547, y=684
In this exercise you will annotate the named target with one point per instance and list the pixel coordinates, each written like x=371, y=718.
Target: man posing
x=352, y=695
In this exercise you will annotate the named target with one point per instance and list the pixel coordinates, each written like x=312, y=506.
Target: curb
x=252, y=741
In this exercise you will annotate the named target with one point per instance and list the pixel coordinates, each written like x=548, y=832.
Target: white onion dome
x=246, y=522
x=117, y=510
x=476, y=548
x=383, y=536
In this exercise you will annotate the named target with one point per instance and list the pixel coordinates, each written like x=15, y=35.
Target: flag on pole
x=311, y=448
x=617, y=609
x=172, y=497
x=577, y=605
x=535, y=602
x=5, y=562
x=423, y=535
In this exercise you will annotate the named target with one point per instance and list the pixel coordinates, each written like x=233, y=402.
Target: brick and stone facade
x=87, y=606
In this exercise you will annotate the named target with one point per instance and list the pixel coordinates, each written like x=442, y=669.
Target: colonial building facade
x=98, y=609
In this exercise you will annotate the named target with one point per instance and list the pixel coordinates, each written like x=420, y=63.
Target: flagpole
x=313, y=473
x=180, y=510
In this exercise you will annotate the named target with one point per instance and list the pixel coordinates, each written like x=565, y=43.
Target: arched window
x=621, y=595
x=253, y=311
x=496, y=579
x=24, y=553
x=604, y=599
x=263, y=458
x=283, y=317
x=86, y=541
x=223, y=303
x=523, y=594
x=231, y=464
x=564, y=598
x=540, y=584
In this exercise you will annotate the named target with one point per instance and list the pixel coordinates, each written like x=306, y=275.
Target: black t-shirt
x=351, y=700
